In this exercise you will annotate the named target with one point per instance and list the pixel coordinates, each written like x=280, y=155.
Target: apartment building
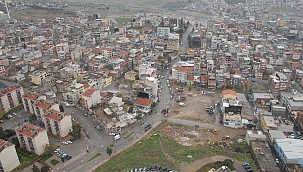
x=268, y=123
x=37, y=77
x=62, y=49
x=278, y=82
x=106, y=52
x=33, y=138
x=163, y=31
x=90, y=98
x=29, y=99
x=11, y=97
x=180, y=73
x=8, y=156
x=57, y=122
x=42, y=106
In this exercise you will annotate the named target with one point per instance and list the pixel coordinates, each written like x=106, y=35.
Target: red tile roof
x=89, y=92
x=4, y=144
x=86, y=86
x=29, y=130
x=190, y=77
x=55, y=115
x=225, y=92
x=296, y=65
x=143, y=101
x=44, y=104
x=184, y=69
x=9, y=90
x=32, y=95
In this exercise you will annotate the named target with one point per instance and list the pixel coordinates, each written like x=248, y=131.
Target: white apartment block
x=8, y=156
x=163, y=31
x=29, y=99
x=58, y=123
x=33, y=138
x=62, y=49
x=11, y=97
x=90, y=98
x=42, y=106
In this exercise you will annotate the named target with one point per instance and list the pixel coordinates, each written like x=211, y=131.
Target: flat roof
x=277, y=134
x=263, y=156
x=292, y=148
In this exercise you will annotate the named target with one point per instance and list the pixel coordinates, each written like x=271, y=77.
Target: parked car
x=112, y=134
x=250, y=170
x=246, y=164
x=65, y=143
x=69, y=142
x=247, y=167
x=1, y=121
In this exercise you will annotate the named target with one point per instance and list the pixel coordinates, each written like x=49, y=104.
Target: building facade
x=11, y=97
x=58, y=123
x=8, y=156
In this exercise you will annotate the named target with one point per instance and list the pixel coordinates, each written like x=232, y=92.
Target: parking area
x=193, y=105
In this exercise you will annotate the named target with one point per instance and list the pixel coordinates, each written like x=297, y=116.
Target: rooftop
x=89, y=92
x=29, y=130
x=55, y=115
x=292, y=148
x=226, y=92
x=44, y=104
x=143, y=101
x=32, y=95
x=4, y=144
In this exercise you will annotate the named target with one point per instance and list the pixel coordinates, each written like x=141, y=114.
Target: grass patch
x=45, y=157
x=54, y=162
x=127, y=136
x=161, y=150
x=123, y=20
x=25, y=159
x=15, y=109
x=95, y=156
x=217, y=165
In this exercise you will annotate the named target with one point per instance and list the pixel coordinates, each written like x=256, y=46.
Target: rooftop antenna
x=7, y=9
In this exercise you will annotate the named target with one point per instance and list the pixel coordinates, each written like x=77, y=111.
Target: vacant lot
x=162, y=150
x=195, y=106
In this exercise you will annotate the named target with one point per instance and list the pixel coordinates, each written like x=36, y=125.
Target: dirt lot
x=189, y=136
x=195, y=106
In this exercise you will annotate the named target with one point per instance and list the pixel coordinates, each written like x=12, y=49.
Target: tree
x=153, y=104
x=9, y=132
x=109, y=151
x=45, y=168
x=76, y=133
x=32, y=118
x=2, y=134
x=15, y=141
x=35, y=168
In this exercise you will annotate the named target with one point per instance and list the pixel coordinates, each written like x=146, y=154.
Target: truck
x=147, y=127
x=116, y=137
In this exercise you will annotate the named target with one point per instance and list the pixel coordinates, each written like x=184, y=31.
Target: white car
x=69, y=142
x=112, y=134
x=65, y=143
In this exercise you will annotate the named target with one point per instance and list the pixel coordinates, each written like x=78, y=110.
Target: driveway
x=195, y=166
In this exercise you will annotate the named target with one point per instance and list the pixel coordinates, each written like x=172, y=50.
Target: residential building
x=262, y=99
x=32, y=138
x=278, y=82
x=268, y=123
x=289, y=151
x=152, y=82
x=90, y=98
x=229, y=95
x=292, y=101
x=29, y=99
x=8, y=156
x=163, y=31
x=37, y=77
x=142, y=105
x=131, y=75
x=11, y=97
x=58, y=123
x=232, y=120
x=42, y=106
x=275, y=134
x=252, y=135
x=180, y=73
x=62, y=49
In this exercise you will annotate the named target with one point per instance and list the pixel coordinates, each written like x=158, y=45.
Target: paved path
x=195, y=166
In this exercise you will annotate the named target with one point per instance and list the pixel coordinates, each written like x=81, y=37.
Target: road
x=99, y=140
x=184, y=40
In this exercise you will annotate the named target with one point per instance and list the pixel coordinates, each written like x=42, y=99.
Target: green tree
x=15, y=141
x=45, y=168
x=2, y=134
x=32, y=118
x=109, y=151
x=153, y=104
x=76, y=133
x=35, y=168
x=9, y=132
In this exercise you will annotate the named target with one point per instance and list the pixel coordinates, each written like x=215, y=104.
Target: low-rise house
x=268, y=123
x=131, y=75
x=37, y=77
x=8, y=156
x=32, y=138
x=253, y=136
x=58, y=123
x=262, y=99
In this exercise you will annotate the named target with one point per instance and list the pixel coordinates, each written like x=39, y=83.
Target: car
x=247, y=167
x=68, y=157
x=65, y=143
x=98, y=128
x=55, y=151
x=246, y=164
x=277, y=161
x=15, y=114
x=224, y=168
x=250, y=170
x=85, y=114
x=112, y=134
x=10, y=116
x=58, y=149
x=69, y=142
x=142, y=123
x=1, y=121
